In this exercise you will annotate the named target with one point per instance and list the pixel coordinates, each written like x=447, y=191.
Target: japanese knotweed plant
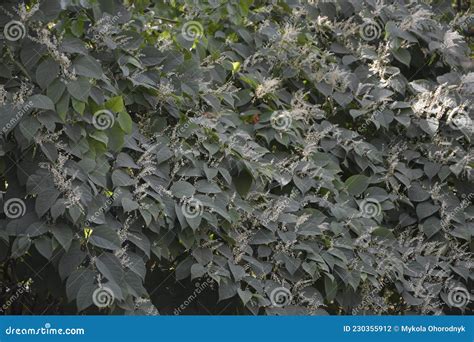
x=297, y=157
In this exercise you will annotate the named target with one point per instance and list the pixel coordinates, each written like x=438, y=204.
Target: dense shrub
x=291, y=158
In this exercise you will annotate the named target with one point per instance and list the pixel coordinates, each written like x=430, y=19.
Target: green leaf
x=75, y=212
x=116, y=137
x=20, y=246
x=243, y=182
x=115, y=104
x=197, y=271
x=262, y=236
x=383, y=232
x=71, y=260
x=207, y=187
x=85, y=295
x=44, y=246
x=42, y=102
x=109, y=265
x=46, y=72
x=135, y=284
x=141, y=241
x=121, y=178
x=426, y=209
x=36, y=229
x=76, y=280
x=203, y=255
x=105, y=237
x=88, y=67
x=403, y=56
x=238, y=272
x=125, y=122
x=45, y=200
x=56, y=90
x=431, y=226
x=417, y=194
x=74, y=45
x=183, y=270
x=182, y=189
x=100, y=136
x=77, y=28
x=78, y=106
x=129, y=205
x=63, y=234
x=357, y=184
x=63, y=106
x=227, y=289
x=330, y=287
x=79, y=89
x=244, y=295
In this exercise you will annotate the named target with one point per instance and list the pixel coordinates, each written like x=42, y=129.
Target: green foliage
x=303, y=158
